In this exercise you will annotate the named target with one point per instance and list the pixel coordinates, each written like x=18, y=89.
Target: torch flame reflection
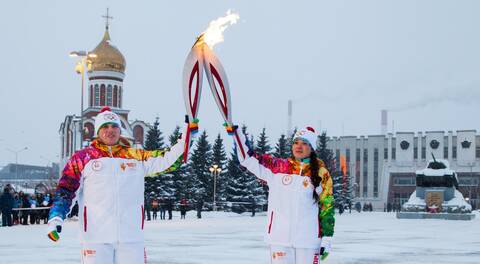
x=214, y=33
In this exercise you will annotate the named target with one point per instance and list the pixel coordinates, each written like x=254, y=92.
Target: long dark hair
x=314, y=177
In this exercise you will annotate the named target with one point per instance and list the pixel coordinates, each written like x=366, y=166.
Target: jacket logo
x=97, y=165
x=88, y=252
x=278, y=254
x=287, y=179
x=305, y=183
x=109, y=117
x=124, y=165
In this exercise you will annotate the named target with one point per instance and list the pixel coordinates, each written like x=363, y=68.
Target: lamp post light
x=215, y=170
x=83, y=64
x=16, y=152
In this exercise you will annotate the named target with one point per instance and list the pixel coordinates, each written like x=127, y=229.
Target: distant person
x=253, y=206
x=6, y=205
x=199, y=207
x=169, y=208
x=183, y=208
x=108, y=177
x=155, y=208
x=162, y=208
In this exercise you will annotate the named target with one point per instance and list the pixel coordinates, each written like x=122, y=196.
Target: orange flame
x=214, y=33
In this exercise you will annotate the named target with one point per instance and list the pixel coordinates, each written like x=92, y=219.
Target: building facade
x=382, y=167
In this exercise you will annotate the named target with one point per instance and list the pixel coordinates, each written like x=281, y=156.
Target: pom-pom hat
x=106, y=116
x=308, y=135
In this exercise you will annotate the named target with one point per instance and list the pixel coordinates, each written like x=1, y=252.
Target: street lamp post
x=16, y=152
x=83, y=64
x=215, y=170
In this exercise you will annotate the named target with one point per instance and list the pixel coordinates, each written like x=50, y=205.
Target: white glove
x=54, y=227
x=325, y=247
x=319, y=190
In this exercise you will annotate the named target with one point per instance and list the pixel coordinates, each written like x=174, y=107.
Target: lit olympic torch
x=202, y=58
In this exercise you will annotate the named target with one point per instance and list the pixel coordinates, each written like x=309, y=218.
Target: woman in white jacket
x=300, y=202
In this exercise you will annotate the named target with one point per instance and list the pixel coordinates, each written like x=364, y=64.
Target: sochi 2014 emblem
x=97, y=165
x=109, y=117
x=287, y=179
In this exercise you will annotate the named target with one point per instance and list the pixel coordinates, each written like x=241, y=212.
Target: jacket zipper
x=271, y=222
x=85, y=218
x=116, y=193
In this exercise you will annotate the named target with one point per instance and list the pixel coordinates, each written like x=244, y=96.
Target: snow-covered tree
x=281, y=149
x=219, y=158
x=154, y=141
x=198, y=174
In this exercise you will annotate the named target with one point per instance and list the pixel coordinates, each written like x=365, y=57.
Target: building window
x=109, y=95
x=415, y=153
x=357, y=172
x=102, y=95
x=385, y=153
x=90, y=101
x=97, y=95
x=375, y=172
x=365, y=172
x=404, y=181
x=394, y=156
x=115, y=96
x=424, y=153
x=120, y=96
x=477, y=151
x=445, y=152
x=454, y=152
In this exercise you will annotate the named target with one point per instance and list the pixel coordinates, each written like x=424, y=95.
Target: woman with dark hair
x=300, y=202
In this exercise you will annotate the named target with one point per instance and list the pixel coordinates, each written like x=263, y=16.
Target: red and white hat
x=308, y=135
x=106, y=116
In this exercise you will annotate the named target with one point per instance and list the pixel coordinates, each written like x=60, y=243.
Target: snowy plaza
x=367, y=237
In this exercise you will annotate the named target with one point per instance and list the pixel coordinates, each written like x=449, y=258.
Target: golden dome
x=108, y=58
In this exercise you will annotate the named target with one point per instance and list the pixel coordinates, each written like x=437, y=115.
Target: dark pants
x=6, y=217
x=169, y=214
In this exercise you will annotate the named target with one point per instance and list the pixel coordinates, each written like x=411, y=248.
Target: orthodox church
x=106, y=72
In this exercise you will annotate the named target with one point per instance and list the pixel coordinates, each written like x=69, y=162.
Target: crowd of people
x=19, y=208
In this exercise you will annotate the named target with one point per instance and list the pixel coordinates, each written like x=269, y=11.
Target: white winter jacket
x=292, y=212
x=109, y=182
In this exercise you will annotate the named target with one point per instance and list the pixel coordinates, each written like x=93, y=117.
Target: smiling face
x=109, y=134
x=301, y=149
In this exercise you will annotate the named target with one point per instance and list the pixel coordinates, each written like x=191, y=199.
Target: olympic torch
x=201, y=58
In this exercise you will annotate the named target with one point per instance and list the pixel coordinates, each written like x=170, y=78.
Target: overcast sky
x=340, y=61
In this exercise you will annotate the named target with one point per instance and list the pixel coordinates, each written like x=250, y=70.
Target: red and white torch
x=200, y=58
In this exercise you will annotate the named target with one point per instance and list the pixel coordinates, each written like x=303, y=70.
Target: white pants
x=290, y=255
x=124, y=253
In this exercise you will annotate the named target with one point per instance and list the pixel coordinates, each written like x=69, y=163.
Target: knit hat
x=106, y=116
x=308, y=135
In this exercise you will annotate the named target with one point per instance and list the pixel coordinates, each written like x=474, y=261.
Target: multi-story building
x=382, y=167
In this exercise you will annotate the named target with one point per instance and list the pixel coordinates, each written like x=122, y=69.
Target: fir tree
x=154, y=141
x=154, y=137
x=262, y=147
x=219, y=157
x=200, y=183
x=281, y=150
x=173, y=138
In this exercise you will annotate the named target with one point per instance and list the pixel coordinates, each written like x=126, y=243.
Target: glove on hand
x=54, y=227
x=325, y=247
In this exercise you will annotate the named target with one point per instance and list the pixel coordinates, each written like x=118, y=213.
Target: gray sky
x=340, y=61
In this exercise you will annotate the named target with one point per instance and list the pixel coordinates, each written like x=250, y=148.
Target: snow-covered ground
x=238, y=239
